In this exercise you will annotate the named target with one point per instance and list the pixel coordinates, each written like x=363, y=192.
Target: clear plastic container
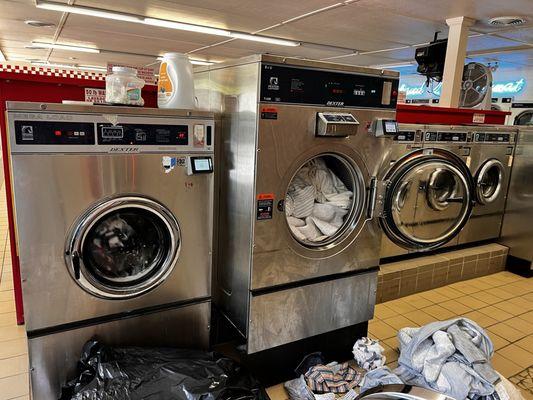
x=124, y=87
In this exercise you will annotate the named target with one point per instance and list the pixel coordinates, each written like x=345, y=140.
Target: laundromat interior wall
x=515, y=78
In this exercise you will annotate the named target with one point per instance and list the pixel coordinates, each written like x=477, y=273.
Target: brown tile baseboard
x=403, y=278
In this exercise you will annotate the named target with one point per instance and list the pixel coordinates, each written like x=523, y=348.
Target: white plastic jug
x=176, y=83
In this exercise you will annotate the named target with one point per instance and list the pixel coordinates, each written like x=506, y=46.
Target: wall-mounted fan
x=476, y=89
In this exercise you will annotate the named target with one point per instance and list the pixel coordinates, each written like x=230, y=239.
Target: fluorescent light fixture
x=97, y=12
x=186, y=27
x=45, y=64
x=385, y=66
x=264, y=39
x=201, y=62
x=67, y=47
x=92, y=68
x=193, y=62
x=84, y=10
x=2, y=57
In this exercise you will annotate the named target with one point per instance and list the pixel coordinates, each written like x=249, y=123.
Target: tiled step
x=402, y=278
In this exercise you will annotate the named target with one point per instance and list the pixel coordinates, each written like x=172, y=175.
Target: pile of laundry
x=316, y=203
x=329, y=381
x=450, y=357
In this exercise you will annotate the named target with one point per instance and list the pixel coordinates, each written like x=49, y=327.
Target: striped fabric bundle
x=332, y=378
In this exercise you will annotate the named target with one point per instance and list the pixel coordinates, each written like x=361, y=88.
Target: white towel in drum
x=317, y=202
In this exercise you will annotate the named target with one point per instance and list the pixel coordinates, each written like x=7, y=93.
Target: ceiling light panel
x=84, y=10
x=67, y=47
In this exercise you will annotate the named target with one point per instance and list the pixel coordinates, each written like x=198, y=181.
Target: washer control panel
x=143, y=134
x=504, y=138
x=454, y=137
x=29, y=132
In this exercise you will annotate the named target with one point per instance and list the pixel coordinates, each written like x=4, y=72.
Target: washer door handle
x=76, y=264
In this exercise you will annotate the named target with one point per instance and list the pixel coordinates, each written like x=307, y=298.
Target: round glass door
x=428, y=200
x=123, y=247
x=489, y=181
x=524, y=118
x=324, y=201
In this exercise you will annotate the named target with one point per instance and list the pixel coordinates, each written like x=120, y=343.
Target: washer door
x=428, y=200
x=524, y=118
x=325, y=201
x=123, y=247
x=489, y=181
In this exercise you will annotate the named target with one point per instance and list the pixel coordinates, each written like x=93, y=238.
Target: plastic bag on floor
x=106, y=373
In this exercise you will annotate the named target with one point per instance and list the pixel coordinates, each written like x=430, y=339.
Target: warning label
x=269, y=113
x=265, y=206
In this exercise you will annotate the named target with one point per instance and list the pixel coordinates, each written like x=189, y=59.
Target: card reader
x=199, y=165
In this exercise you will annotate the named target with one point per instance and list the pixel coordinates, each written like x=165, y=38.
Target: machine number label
x=265, y=206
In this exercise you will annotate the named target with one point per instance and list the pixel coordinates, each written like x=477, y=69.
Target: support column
x=455, y=60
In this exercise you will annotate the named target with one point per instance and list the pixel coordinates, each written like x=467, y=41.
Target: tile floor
x=502, y=303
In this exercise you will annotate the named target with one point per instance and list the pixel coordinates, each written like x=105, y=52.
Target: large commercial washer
x=490, y=162
x=114, y=225
x=277, y=115
x=517, y=229
x=430, y=189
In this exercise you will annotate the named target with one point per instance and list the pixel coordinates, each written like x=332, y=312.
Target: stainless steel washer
x=282, y=117
x=114, y=227
x=490, y=163
x=429, y=195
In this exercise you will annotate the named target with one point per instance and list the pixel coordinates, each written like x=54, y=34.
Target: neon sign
x=498, y=88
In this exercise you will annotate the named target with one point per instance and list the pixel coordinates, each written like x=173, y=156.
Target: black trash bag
x=130, y=373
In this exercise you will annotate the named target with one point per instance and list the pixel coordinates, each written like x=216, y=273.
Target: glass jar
x=124, y=87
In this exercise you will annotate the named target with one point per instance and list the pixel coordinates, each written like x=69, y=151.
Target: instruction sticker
x=265, y=206
x=269, y=113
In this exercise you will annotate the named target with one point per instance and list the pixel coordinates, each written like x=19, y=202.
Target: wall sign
x=501, y=88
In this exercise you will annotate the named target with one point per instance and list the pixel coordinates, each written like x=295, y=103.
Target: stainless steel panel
x=517, y=229
x=234, y=93
x=277, y=256
x=51, y=192
x=288, y=315
x=53, y=357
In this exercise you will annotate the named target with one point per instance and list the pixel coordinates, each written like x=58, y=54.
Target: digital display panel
x=390, y=127
x=202, y=164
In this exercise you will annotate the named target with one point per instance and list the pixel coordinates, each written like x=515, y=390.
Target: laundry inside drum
x=320, y=200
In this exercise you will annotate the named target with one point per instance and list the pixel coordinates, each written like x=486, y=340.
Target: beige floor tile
x=7, y=307
x=393, y=365
x=14, y=366
x=514, y=289
x=502, y=294
x=486, y=297
x=456, y=307
x=504, y=366
x=526, y=343
x=381, y=311
x=8, y=319
x=380, y=330
x=14, y=386
x=449, y=292
x=440, y=313
x=496, y=313
x=480, y=284
x=434, y=297
x=417, y=301
x=391, y=342
x=420, y=317
x=399, y=322
x=390, y=354
x=506, y=331
x=12, y=332
x=522, y=304
x=481, y=319
x=13, y=348
x=521, y=324
x=512, y=309
x=497, y=340
x=471, y=302
x=527, y=316
x=517, y=355
x=399, y=306
x=464, y=287
x=277, y=392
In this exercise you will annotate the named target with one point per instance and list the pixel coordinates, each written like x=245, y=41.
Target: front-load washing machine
x=299, y=244
x=407, y=140
x=429, y=195
x=521, y=113
x=114, y=224
x=490, y=163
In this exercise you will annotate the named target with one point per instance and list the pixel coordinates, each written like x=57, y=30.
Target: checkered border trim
x=54, y=72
